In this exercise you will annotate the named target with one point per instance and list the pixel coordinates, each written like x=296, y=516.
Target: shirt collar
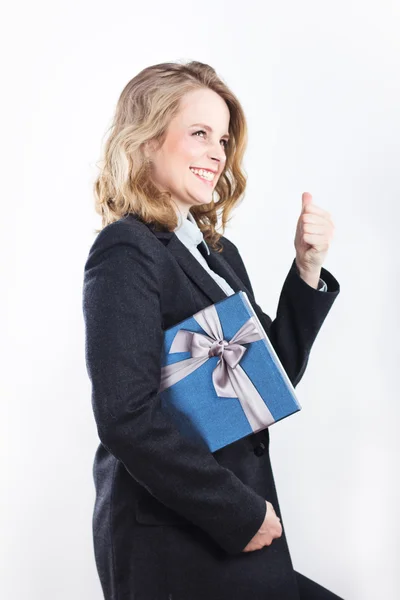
x=189, y=232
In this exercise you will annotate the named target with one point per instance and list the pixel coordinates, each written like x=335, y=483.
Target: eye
x=205, y=133
x=200, y=131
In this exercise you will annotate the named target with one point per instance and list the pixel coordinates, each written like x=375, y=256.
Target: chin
x=203, y=200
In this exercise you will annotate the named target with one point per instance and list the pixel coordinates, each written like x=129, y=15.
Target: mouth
x=205, y=175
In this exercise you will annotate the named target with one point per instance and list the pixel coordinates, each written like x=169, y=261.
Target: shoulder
x=126, y=230
x=232, y=255
x=127, y=237
x=230, y=252
x=229, y=248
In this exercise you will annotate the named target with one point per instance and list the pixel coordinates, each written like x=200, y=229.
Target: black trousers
x=310, y=590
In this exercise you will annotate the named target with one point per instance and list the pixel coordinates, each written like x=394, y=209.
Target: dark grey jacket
x=171, y=519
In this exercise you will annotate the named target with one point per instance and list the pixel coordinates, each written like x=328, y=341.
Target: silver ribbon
x=229, y=379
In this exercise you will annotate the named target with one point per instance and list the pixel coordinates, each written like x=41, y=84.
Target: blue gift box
x=221, y=378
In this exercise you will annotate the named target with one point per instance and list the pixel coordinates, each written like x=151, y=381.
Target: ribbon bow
x=229, y=379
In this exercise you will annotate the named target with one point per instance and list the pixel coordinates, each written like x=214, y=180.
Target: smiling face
x=196, y=138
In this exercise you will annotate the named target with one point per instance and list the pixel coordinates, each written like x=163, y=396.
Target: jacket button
x=259, y=450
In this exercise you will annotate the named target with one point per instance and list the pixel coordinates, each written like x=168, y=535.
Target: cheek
x=187, y=150
x=177, y=156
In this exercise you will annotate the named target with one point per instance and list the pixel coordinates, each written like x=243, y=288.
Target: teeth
x=205, y=174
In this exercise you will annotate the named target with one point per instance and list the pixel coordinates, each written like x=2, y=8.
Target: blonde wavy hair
x=144, y=109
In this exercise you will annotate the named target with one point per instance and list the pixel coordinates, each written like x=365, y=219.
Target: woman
x=173, y=521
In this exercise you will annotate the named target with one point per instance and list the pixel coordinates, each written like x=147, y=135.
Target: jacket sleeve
x=301, y=312
x=123, y=345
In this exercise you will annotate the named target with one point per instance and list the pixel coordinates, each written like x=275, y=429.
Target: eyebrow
x=208, y=128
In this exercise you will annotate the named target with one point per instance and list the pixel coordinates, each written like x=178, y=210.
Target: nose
x=218, y=155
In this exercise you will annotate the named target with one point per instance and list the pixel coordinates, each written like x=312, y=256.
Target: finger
x=316, y=219
x=315, y=210
x=315, y=229
x=316, y=241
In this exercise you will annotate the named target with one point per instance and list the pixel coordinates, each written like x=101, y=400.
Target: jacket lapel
x=196, y=272
x=191, y=266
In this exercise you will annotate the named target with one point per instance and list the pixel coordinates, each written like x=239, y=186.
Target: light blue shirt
x=191, y=236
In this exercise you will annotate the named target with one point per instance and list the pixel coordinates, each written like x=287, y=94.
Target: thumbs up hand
x=314, y=234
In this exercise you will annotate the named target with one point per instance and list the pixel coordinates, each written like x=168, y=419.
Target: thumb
x=306, y=198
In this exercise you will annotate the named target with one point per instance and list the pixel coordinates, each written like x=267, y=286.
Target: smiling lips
x=207, y=176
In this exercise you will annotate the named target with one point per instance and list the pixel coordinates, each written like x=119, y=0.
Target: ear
x=147, y=150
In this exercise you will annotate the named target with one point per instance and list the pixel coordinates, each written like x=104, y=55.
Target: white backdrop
x=320, y=85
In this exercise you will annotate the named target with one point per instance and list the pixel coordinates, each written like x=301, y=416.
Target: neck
x=182, y=212
x=182, y=208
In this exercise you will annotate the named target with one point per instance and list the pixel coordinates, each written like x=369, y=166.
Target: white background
x=320, y=85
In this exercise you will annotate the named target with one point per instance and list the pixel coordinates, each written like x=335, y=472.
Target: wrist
x=310, y=277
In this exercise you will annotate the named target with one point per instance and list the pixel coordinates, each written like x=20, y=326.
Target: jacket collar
x=195, y=271
x=190, y=233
